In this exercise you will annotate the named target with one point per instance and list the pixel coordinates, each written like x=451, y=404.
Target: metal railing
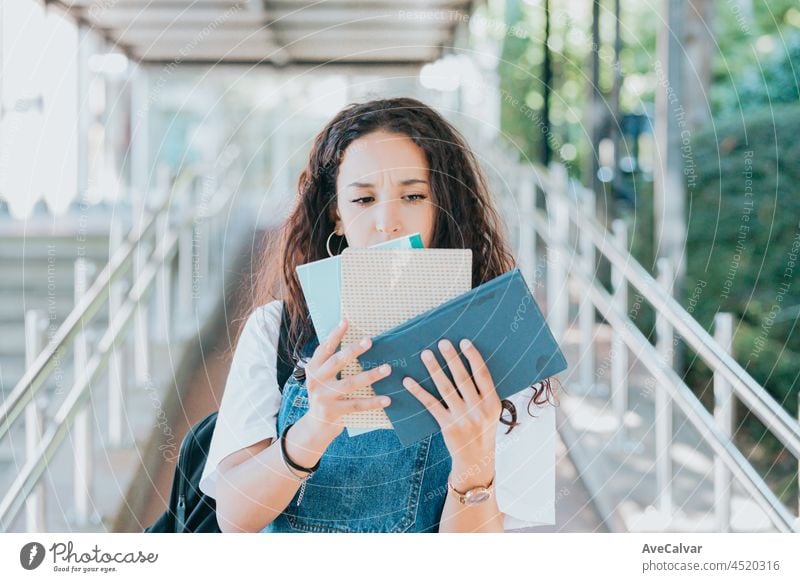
x=574, y=241
x=179, y=226
x=571, y=209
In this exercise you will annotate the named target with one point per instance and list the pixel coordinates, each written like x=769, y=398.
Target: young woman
x=282, y=462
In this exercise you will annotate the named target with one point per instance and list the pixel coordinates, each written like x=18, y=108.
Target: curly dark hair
x=465, y=217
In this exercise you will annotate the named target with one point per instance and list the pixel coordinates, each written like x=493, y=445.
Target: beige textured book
x=382, y=288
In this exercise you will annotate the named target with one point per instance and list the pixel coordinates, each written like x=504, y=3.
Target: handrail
x=34, y=378
x=682, y=394
x=786, y=428
x=749, y=391
x=34, y=467
x=627, y=271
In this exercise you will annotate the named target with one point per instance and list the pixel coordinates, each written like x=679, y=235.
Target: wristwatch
x=473, y=496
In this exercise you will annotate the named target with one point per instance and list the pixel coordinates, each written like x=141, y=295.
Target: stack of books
x=407, y=299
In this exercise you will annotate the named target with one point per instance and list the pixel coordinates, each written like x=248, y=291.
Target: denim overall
x=367, y=483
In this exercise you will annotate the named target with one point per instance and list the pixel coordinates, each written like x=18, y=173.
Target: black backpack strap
x=195, y=511
x=285, y=364
x=189, y=509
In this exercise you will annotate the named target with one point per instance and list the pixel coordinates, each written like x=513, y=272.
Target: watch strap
x=462, y=497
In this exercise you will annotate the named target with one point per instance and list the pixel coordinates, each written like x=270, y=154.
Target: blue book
x=502, y=320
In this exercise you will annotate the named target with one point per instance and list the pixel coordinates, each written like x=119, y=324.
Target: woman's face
x=383, y=191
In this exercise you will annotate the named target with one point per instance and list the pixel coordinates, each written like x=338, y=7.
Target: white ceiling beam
x=297, y=70
x=233, y=35
x=399, y=13
x=106, y=5
x=341, y=46
x=377, y=37
x=159, y=17
x=205, y=54
x=365, y=54
x=338, y=4
x=179, y=37
x=320, y=53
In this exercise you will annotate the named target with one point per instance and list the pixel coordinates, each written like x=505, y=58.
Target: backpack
x=189, y=509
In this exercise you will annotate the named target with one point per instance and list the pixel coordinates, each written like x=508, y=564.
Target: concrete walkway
x=616, y=460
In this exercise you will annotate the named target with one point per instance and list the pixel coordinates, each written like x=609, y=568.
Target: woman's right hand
x=326, y=394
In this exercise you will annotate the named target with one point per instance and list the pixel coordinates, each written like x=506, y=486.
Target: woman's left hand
x=469, y=422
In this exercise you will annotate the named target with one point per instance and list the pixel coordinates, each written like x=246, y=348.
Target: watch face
x=476, y=496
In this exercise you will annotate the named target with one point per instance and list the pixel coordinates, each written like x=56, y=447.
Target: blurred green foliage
x=744, y=241
x=755, y=61
x=750, y=142
x=771, y=81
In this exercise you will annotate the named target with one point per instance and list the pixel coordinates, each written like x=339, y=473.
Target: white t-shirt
x=248, y=413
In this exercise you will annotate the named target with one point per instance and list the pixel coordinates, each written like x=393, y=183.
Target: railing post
x=83, y=435
x=723, y=418
x=216, y=250
x=619, y=350
x=527, y=234
x=586, y=317
x=202, y=265
x=141, y=171
x=35, y=325
x=185, y=291
x=117, y=372
x=141, y=352
x=663, y=404
x=211, y=247
x=163, y=285
x=558, y=223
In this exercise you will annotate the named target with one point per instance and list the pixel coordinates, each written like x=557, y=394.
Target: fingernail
x=385, y=369
x=341, y=323
x=364, y=343
x=465, y=343
x=385, y=400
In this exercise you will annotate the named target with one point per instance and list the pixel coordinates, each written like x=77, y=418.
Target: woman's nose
x=387, y=220
x=392, y=229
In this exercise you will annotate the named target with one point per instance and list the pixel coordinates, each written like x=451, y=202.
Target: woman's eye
x=366, y=199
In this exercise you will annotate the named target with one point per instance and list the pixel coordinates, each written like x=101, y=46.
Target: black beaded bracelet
x=291, y=463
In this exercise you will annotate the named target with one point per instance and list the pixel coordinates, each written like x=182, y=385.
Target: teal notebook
x=322, y=283
x=502, y=320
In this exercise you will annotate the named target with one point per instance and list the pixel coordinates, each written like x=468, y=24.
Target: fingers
x=360, y=404
x=328, y=347
x=461, y=376
x=340, y=359
x=427, y=399
x=366, y=378
x=326, y=362
x=443, y=384
x=483, y=379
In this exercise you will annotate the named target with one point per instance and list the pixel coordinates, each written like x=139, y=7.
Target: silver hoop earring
x=328, y=243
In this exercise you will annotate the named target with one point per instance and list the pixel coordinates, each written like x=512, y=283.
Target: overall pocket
x=368, y=483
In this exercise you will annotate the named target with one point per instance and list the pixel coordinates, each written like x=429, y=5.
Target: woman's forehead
x=378, y=154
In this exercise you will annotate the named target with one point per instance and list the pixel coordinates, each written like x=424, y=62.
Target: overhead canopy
x=280, y=32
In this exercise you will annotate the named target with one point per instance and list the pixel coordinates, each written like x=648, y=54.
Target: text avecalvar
x=671, y=549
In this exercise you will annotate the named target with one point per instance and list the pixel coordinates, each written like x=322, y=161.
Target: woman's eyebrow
x=408, y=182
